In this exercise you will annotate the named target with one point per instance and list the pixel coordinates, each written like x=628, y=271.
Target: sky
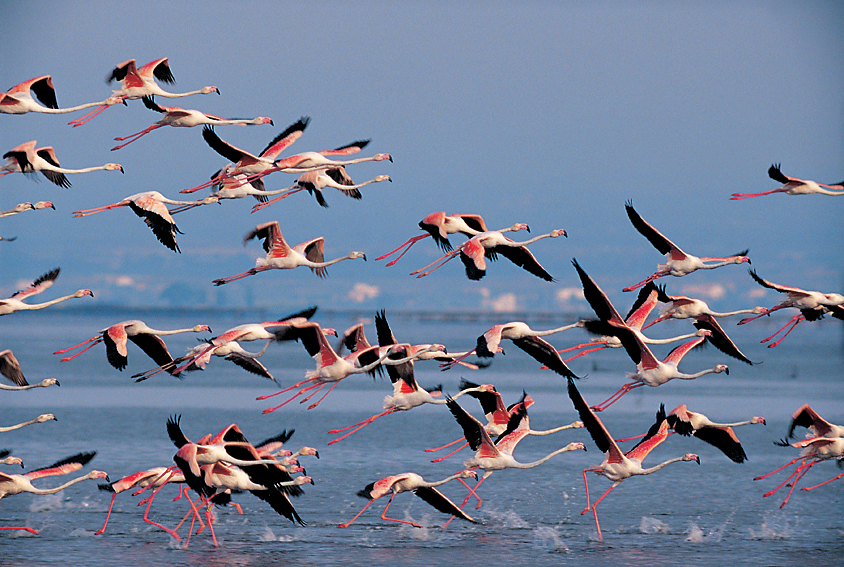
x=549, y=113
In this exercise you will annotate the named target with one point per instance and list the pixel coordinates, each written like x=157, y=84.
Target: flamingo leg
x=737, y=196
x=456, y=441
x=587, y=351
x=266, y=204
x=94, y=338
x=89, y=347
x=793, y=322
x=146, y=515
x=465, y=500
x=460, y=448
x=24, y=528
x=442, y=262
x=384, y=515
x=409, y=245
x=617, y=396
x=94, y=113
x=787, y=480
x=789, y=463
x=821, y=484
x=647, y=280
x=796, y=480
x=582, y=345
x=766, y=312
x=236, y=277
x=134, y=137
x=595, y=511
x=347, y=524
x=108, y=514
x=358, y=426
x=316, y=403
x=586, y=484
x=299, y=393
x=455, y=361
x=86, y=212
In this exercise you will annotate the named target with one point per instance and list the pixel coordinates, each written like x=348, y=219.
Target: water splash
x=549, y=538
x=650, y=525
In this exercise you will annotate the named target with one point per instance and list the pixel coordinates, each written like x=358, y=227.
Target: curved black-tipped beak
x=697, y=460
x=57, y=383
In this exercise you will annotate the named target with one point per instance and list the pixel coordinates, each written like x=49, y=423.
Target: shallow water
x=684, y=514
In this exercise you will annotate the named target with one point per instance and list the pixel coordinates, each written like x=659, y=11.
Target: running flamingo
x=618, y=466
x=281, y=256
x=678, y=263
x=15, y=301
x=412, y=482
x=793, y=186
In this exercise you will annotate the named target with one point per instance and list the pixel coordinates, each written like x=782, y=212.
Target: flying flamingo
x=438, y=225
x=246, y=163
x=5, y=459
x=26, y=158
x=40, y=419
x=793, y=186
x=137, y=83
x=185, y=118
x=412, y=482
x=281, y=256
x=474, y=252
x=152, y=207
x=315, y=181
x=21, y=207
x=813, y=450
x=677, y=263
x=682, y=307
x=813, y=305
x=490, y=456
x=806, y=417
x=19, y=99
x=154, y=477
x=719, y=435
x=618, y=466
x=18, y=483
x=525, y=338
x=650, y=371
x=146, y=338
x=332, y=368
x=15, y=301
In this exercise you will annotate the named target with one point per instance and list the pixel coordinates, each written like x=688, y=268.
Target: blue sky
x=549, y=113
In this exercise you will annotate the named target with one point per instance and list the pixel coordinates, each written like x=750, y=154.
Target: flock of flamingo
x=219, y=466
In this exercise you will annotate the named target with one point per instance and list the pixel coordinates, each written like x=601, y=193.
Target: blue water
x=684, y=514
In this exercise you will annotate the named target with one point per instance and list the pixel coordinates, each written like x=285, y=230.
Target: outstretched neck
x=60, y=487
x=660, y=465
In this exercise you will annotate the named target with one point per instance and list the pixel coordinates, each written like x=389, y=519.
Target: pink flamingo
x=806, y=417
x=146, y=338
x=438, y=225
x=19, y=99
x=474, y=252
x=154, y=477
x=137, y=83
x=185, y=118
x=315, y=181
x=21, y=207
x=15, y=301
x=678, y=263
x=412, y=482
x=813, y=305
x=793, y=186
x=26, y=158
x=719, y=435
x=152, y=207
x=618, y=466
x=5, y=459
x=44, y=417
x=281, y=256
x=18, y=483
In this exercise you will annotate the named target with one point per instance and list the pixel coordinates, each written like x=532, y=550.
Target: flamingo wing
x=796, y=291
x=225, y=149
x=718, y=337
x=11, y=368
x=593, y=424
x=64, y=466
x=314, y=251
x=678, y=352
x=725, y=440
x=39, y=285
x=115, y=342
x=439, y=501
x=285, y=138
x=656, y=238
x=42, y=88
x=149, y=102
x=474, y=432
x=250, y=364
x=656, y=434
x=806, y=417
x=598, y=300
x=778, y=176
x=525, y=259
x=153, y=346
x=545, y=353
x=158, y=219
x=347, y=149
x=642, y=307
x=124, y=69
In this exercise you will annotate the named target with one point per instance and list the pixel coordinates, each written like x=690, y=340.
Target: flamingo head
x=83, y=292
x=207, y=90
x=382, y=157
x=519, y=226
x=468, y=474
x=43, y=205
x=576, y=446
x=309, y=451
x=113, y=167
x=98, y=474
x=265, y=120
x=49, y=382
x=758, y=419
x=834, y=298
x=719, y=368
x=12, y=461
x=558, y=232
x=691, y=457
x=355, y=255
x=201, y=328
x=759, y=310
x=45, y=417
x=380, y=178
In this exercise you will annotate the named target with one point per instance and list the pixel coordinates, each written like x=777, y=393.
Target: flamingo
x=19, y=99
x=719, y=435
x=321, y=160
x=525, y=338
x=412, y=482
x=151, y=206
x=650, y=371
x=315, y=181
x=607, y=314
x=154, y=477
x=793, y=186
x=806, y=417
x=682, y=307
x=185, y=118
x=438, y=225
x=813, y=450
x=474, y=252
x=138, y=332
x=137, y=83
x=26, y=158
x=21, y=207
x=15, y=301
x=332, y=368
x=491, y=457
x=677, y=263
x=813, y=305
x=40, y=419
x=18, y=483
x=227, y=185
x=618, y=466
x=281, y=256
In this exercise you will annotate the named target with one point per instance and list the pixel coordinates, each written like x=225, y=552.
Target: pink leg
x=796, y=471
x=793, y=322
x=266, y=204
x=316, y=403
x=455, y=442
x=463, y=446
x=299, y=393
x=789, y=463
x=294, y=386
x=454, y=362
x=77, y=346
x=587, y=351
x=442, y=261
x=737, y=196
x=134, y=137
x=96, y=112
x=595, y=512
x=147, y=520
x=615, y=397
x=645, y=281
x=24, y=528
x=108, y=514
x=409, y=243
x=347, y=524
x=825, y=482
x=358, y=426
x=384, y=514
x=796, y=480
x=234, y=278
